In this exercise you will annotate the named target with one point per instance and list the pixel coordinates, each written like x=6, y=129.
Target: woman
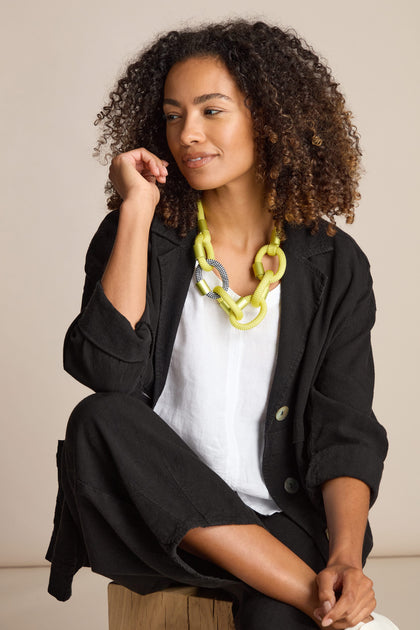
x=226, y=446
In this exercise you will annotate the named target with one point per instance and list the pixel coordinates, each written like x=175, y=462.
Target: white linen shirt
x=216, y=392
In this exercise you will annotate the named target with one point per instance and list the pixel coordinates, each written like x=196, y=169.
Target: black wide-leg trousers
x=135, y=489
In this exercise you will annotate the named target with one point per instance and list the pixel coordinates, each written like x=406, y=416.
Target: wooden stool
x=176, y=608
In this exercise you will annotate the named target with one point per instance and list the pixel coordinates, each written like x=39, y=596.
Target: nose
x=192, y=131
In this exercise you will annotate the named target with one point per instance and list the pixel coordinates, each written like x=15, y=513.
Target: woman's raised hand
x=134, y=175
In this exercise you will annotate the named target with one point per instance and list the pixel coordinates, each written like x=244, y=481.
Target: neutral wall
x=60, y=59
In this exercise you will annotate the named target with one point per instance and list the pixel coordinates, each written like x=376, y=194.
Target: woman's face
x=209, y=128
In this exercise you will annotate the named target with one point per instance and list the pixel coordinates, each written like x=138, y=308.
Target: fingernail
x=327, y=622
x=165, y=170
x=327, y=606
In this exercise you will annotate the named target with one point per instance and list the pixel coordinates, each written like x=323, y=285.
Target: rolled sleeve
x=101, y=349
x=362, y=461
x=105, y=327
x=345, y=437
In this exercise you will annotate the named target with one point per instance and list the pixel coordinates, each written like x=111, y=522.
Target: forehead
x=199, y=75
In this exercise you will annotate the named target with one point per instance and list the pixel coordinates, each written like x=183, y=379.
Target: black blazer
x=319, y=422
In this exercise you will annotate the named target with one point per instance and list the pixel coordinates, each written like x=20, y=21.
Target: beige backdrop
x=60, y=60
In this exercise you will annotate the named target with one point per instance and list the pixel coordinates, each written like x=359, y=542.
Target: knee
x=83, y=416
x=101, y=412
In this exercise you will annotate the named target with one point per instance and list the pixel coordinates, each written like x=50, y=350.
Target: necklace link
x=203, y=249
x=204, y=254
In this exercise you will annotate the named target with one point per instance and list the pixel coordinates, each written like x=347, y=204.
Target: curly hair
x=308, y=152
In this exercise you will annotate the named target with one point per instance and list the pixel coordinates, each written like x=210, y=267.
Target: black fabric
x=134, y=488
x=324, y=371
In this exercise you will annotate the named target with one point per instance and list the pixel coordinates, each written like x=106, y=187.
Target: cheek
x=242, y=140
x=243, y=132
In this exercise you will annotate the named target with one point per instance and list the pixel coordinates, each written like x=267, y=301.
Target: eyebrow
x=198, y=99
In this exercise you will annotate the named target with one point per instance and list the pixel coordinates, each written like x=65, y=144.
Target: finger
x=143, y=160
x=323, y=610
x=152, y=171
x=144, y=157
x=359, y=612
x=156, y=171
x=155, y=168
x=163, y=173
x=164, y=168
x=327, y=582
x=357, y=599
x=343, y=608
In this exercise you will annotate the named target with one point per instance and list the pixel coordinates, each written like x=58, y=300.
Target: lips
x=197, y=160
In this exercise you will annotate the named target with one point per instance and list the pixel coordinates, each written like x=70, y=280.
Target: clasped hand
x=347, y=596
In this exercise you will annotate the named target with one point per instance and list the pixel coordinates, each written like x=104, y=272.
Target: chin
x=201, y=182
x=195, y=185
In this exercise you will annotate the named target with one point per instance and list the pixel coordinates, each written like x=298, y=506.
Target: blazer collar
x=171, y=236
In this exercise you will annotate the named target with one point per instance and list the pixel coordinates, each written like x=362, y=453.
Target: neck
x=238, y=217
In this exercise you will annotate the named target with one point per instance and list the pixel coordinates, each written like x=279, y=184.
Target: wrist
x=137, y=210
x=345, y=556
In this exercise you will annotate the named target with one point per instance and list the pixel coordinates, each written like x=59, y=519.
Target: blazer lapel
x=302, y=290
x=176, y=267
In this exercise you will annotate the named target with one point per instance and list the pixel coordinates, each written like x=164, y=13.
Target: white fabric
x=379, y=622
x=215, y=396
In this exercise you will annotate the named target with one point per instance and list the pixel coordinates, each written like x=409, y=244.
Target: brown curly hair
x=307, y=147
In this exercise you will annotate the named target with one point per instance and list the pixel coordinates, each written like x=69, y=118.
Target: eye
x=211, y=111
x=170, y=117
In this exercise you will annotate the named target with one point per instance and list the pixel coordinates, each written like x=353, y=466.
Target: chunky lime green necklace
x=204, y=254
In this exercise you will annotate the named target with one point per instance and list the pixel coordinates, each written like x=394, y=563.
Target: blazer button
x=291, y=485
x=282, y=413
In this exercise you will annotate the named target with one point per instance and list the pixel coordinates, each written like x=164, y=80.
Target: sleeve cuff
x=104, y=326
x=346, y=461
